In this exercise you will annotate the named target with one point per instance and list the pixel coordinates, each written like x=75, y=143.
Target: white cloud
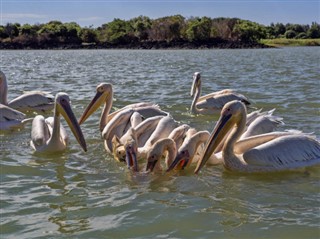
x=17, y=16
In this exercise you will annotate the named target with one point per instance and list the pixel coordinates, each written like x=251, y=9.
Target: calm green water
x=89, y=195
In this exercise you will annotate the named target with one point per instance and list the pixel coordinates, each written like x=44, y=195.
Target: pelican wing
x=8, y=114
x=33, y=100
x=150, y=111
x=219, y=101
x=132, y=106
x=248, y=143
x=40, y=132
x=285, y=152
x=11, y=118
x=215, y=94
x=262, y=124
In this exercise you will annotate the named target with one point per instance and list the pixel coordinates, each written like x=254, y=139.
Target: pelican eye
x=100, y=89
x=63, y=101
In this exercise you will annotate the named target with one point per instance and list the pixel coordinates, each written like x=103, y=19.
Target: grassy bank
x=281, y=42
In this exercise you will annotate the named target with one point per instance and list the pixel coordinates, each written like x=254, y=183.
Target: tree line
x=143, y=30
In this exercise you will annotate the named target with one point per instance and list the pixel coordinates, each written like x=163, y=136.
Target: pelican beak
x=131, y=157
x=93, y=106
x=151, y=165
x=67, y=113
x=221, y=129
x=181, y=161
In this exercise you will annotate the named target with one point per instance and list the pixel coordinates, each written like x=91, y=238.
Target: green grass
x=281, y=42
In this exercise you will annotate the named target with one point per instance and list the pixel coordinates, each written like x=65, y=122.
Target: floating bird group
x=145, y=138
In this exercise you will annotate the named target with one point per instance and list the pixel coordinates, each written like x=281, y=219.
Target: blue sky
x=98, y=12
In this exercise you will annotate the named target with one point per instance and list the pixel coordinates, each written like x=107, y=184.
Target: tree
x=118, y=31
x=27, y=30
x=290, y=34
x=314, y=31
x=249, y=31
x=12, y=30
x=279, y=29
x=141, y=25
x=199, y=29
x=88, y=35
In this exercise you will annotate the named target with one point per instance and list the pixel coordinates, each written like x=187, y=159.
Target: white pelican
x=117, y=122
x=11, y=118
x=163, y=147
x=157, y=147
x=38, y=101
x=48, y=135
x=165, y=126
x=140, y=133
x=191, y=150
x=211, y=103
x=282, y=153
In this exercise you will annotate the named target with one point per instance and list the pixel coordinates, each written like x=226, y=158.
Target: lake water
x=89, y=195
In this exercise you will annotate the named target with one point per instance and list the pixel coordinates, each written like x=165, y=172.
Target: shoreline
x=159, y=45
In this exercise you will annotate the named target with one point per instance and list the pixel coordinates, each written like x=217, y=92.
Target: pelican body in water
x=39, y=101
x=118, y=122
x=48, y=135
x=262, y=155
x=213, y=102
x=11, y=118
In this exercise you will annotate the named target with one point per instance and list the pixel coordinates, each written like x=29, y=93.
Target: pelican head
x=196, y=84
x=103, y=93
x=188, y=150
x=63, y=106
x=118, y=149
x=181, y=161
x=153, y=157
x=131, y=150
x=231, y=115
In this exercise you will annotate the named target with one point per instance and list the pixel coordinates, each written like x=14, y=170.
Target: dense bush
x=142, y=29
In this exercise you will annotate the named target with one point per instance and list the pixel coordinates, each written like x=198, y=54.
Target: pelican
x=11, y=118
x=258, y=123
x=48, y=135
x=191, y=150
x=211, y=103
x=165, y=126
x=281, y=153
x=38, y=101
x=163, y=147
x=139, y=133
x=117, y=122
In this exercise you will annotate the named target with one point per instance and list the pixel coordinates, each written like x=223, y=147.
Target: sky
x=97, y=12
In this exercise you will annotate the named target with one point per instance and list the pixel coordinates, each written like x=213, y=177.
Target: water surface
x=89, y=195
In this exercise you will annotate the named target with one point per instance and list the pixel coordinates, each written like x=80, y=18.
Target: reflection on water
x=89, y=195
